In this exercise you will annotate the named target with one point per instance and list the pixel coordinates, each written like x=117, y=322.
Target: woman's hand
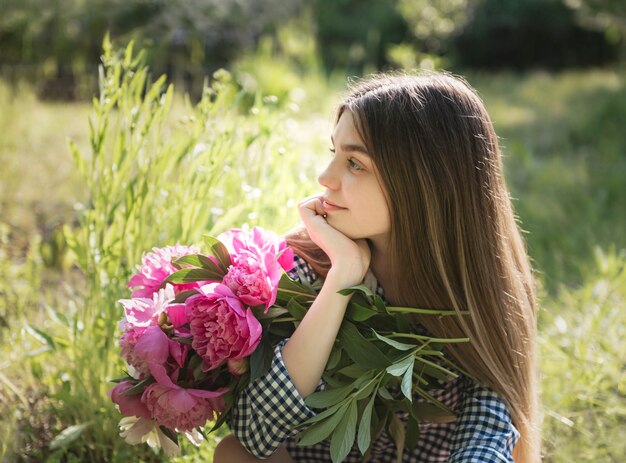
x=349, y=258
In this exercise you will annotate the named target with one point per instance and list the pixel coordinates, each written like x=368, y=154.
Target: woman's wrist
x=342, y=277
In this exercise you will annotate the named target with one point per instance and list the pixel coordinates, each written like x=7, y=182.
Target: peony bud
x=238, y=366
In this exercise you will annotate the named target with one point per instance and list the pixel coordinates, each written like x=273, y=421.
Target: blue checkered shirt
x=268, y=411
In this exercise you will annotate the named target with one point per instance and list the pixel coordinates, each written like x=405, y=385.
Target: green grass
x=167, y=170
x=582, y=365
x=565, y=158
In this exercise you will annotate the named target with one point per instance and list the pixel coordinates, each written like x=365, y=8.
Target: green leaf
x=343, y=436
x=272, y=312
x=358, y=288
x=384, y=393
x=41, y=336
x=170, y=434
x=189, y=275
x=122, y=378
x=364, y=436
x=67, y=436
x=359, y=349
x=221, y=419
x=334, y=358
x=366, y=390
x=398, y=369
x=199, y=260
x=352, y=371
x=398, y=434
x=322, y=429
x=219, y=251
x=261, y=359
x=364, y=379
x=403, y=323
x=296, y=309
x=288, y=289
x=322, y=415
x=412, y=433
x=380, y=305
x=184, y=295
x=139, y=387
x=194, y=363
x=395, y=344
x=407, y=381
x=431, y=412
x=359, y=313
x=325, y=399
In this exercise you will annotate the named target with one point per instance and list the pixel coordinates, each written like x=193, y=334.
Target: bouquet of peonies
x=199, y=326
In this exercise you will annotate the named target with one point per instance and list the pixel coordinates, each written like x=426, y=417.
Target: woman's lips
x=328, y=206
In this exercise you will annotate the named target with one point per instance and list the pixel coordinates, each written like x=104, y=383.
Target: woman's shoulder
x=302, y=270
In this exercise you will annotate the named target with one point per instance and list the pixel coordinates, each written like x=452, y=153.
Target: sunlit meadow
x=146, y=167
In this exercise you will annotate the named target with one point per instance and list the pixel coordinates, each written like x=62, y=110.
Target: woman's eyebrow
x=351, y=147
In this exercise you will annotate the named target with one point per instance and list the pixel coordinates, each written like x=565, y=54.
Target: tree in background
x=434, y=22
x=354, y=35
x=526, y=34
x=56, y=42
x=498, y=34
x=604, y=15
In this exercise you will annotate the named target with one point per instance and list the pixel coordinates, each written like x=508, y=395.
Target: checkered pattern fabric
x=269, y=409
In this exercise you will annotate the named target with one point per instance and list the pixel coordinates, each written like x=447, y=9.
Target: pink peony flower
x=130, y=405
x=128, y=341
x=153, y=345
x=141, y=347
x=143, y=311
x=156, y=267
x=256, y=265
x=179, y=408
x=267, y=241
x=221, y=327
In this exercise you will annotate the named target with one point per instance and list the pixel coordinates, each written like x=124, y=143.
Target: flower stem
x=286, y=319
x=425, y=311
x=438, y=367
x=297, y=293
x=427, y=338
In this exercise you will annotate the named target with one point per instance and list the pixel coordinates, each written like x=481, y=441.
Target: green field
x=151, y=172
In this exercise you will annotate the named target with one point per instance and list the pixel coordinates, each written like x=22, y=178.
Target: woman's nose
x=328, y=178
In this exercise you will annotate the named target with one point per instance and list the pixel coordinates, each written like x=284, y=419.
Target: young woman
x=414, y=204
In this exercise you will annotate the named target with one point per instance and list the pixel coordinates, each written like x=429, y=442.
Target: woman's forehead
x=346, y=132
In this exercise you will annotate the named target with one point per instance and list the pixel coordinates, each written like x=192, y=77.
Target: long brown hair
x=454, y=239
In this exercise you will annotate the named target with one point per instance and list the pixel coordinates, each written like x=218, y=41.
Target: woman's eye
x=332, y=150
x=354, y=165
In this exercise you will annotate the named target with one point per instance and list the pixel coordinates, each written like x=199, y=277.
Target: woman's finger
x=313, y=204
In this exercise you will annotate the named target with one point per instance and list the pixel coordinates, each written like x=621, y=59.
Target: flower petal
x=153, y=345
x=177, y=313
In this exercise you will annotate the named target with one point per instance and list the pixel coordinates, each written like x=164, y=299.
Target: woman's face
x=351, y=184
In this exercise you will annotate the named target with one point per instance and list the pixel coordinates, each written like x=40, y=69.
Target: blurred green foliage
x=353, y=35
x=56, y=44
x=605, y=15
x=564, y=144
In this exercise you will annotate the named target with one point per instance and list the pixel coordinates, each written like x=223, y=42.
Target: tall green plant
x=582, y=365
x=155, y=178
